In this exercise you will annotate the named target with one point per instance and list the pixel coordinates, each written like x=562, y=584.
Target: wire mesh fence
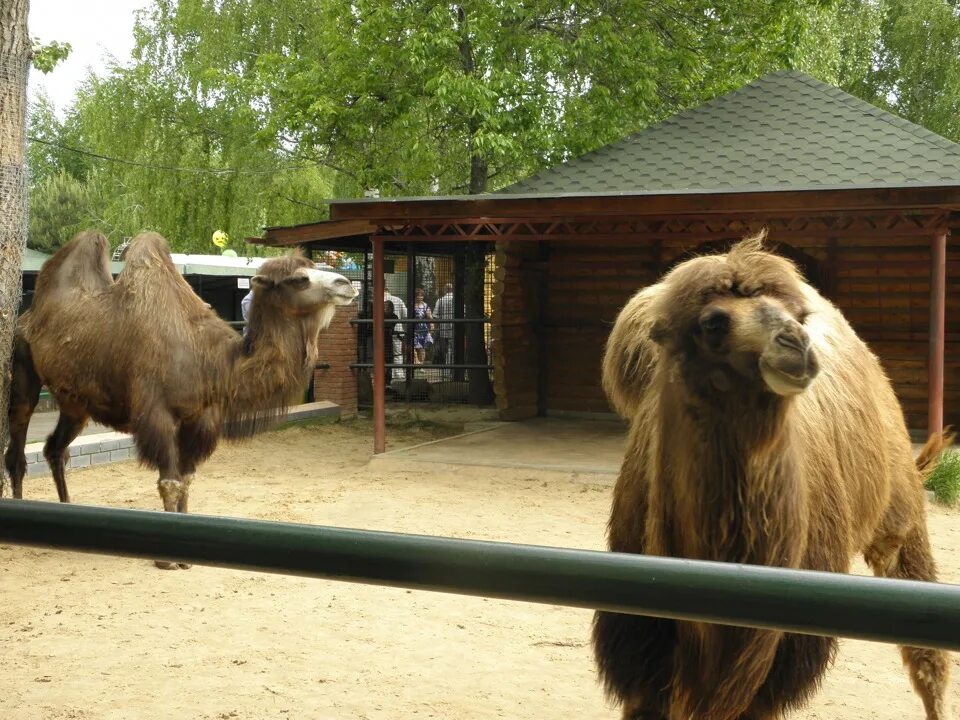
x=429, y=357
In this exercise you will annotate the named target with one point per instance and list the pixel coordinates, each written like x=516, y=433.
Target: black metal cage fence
x=429, y=353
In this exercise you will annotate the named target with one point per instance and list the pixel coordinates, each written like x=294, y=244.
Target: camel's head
x=292, y=285
x=736, y=321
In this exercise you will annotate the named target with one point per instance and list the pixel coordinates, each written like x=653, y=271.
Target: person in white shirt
x=400, y=308
x=245, y=309
x=443, y=310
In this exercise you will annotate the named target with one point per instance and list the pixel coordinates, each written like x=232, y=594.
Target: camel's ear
x=259, y=282
x=659, y=333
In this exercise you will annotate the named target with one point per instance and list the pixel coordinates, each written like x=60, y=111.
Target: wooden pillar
x=379, y=351
x=407, y=346
x=938, y=302
x=543, y=333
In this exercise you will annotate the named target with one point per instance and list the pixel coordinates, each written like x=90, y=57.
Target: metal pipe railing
x=894, y=611
x=423, y=366
x=423, y=321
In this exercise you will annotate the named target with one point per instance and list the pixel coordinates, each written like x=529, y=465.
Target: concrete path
x=566, y=445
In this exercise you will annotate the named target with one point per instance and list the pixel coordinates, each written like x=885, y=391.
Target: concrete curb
x=111, y=447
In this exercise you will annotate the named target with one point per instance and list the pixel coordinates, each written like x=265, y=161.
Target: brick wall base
x=338, y=348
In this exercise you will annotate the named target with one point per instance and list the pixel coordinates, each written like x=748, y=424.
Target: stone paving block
x=108, y=445
x=38, y=468
x=118, y=455
x=126, y=442
x=80, y=461
x=100, y=458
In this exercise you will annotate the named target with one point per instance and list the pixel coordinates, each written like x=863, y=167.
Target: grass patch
x=944, y=481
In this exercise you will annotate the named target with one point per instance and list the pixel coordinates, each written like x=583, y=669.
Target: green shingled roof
x=784, y=131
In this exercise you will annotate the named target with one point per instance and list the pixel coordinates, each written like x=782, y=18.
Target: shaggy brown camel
x=763, y=431
x=145, y=355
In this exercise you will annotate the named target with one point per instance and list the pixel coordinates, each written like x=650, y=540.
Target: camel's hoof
x=165, y=565
x=184, y=566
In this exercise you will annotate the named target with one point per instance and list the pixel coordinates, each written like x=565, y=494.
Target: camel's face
x=736, y=321
x=296, y=285
x=326, y=288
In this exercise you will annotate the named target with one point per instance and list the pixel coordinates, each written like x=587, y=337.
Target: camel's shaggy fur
x=145, y=355
x=763, y=431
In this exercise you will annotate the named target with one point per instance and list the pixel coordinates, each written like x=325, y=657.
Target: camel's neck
x=729, y=477
x=269, y=371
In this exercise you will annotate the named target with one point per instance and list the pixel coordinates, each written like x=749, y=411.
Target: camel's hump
x=83, y=263
x=148, y=248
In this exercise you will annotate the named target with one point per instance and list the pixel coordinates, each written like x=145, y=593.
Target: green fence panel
x=895, y=611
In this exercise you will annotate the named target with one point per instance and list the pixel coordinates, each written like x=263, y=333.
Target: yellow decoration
x=220, y=239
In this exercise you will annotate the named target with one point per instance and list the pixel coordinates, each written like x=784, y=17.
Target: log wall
x=555, y=303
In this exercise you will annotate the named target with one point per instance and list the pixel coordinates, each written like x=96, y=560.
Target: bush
x=944, y=481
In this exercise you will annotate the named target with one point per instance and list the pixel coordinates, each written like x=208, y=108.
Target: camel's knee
x=908, y=556
x=929, y=672
x=54, y=453
x=170, y=493
x=182, y=502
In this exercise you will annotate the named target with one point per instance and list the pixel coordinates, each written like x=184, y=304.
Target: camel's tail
x=930, y=454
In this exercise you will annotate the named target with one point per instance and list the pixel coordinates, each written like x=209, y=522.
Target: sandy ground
x=87, y=636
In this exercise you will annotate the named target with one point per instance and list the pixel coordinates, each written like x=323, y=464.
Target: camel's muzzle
x=789, y=363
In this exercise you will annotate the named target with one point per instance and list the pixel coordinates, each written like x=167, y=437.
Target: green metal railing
x=895, y=611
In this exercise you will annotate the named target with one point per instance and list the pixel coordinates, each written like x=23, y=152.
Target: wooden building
x=862, y=200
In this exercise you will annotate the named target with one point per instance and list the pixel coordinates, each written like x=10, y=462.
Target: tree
x=917, y=68
x=15, y=49
x=412, y=97
x=60, y=207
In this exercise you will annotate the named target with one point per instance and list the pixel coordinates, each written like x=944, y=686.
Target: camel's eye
x=297, y=282
x=747, y=291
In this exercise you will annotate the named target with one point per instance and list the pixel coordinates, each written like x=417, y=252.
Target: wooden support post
x=938, y=302
x=379, y=353
x=543, y=314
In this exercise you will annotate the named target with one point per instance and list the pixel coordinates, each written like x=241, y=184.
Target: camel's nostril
x=793, y=341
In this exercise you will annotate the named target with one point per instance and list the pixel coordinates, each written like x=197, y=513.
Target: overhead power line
x=170, y=168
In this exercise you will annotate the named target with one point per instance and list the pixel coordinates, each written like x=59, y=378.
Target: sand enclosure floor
x=86, y=636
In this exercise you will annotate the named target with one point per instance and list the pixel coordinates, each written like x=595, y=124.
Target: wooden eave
x=386, y=211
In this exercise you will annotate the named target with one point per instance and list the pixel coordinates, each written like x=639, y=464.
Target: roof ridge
x=785, y=128
x=627, y=139
x=918, y=131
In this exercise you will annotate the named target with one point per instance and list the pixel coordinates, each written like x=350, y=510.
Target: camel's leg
x=24, y=394
x=56, y=449
x=155, y=433
x=910, y=558
x=635, y=657
x=195, y=442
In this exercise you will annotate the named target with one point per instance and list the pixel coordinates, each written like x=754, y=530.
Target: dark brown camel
x=145, y=355
x=763, y=431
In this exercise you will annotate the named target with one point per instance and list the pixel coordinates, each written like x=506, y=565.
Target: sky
x=96, y=29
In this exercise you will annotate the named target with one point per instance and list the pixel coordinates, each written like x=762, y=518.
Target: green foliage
x=237, y=114
x=46, y=57
x=917, y=73
x=60, y=206
x=944, y=481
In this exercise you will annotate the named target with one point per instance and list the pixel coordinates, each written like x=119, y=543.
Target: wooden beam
x=938, y=284
x=401, y=210
x=379, y=351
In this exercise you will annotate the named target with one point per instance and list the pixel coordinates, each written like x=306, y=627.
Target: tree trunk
x=479, y=388
x=14, y=66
